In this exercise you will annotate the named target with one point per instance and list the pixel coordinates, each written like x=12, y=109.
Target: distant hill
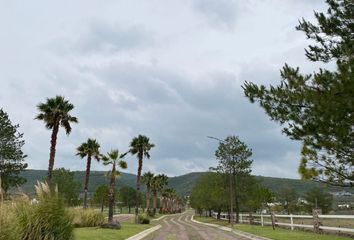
x=183, y=184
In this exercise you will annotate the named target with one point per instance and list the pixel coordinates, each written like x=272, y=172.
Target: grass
x=278, y=234
x=128, y=229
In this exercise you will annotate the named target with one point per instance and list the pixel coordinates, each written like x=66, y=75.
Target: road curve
x=180, y=227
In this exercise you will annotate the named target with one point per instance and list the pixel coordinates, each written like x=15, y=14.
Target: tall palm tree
x=147, y=178
x=140, y=146
x=55, y=113
x=88, y=149
x=114, y=159
x=159, y=183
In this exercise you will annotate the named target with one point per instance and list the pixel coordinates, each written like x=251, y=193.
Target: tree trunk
x=231, y=200
x=237, y=208
x=111, y=194
x=129, y=209
x=88, y=167
x=154, y=203
x=53, y=143
x=148, y=200
x=102, y=204
x=219, y=214
x=140, y=166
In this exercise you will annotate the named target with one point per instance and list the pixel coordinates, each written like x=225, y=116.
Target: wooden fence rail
x=245, y=218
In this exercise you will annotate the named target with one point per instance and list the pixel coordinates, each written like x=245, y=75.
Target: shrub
x=143, y=219
x=7, y=222
x=48, y=219
x=86, y=217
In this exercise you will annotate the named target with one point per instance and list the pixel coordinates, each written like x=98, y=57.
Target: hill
x=183, y=184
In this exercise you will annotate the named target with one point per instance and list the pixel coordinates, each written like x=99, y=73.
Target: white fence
x=262, y=220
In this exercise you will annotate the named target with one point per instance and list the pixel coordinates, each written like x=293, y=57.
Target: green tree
x=158, y=184
x=147, y=178
x=288, y=198
x=140, y=146
x=68, y=188
x=318, y=198
x=55, y=112
x=127, y=196
x=100, y=196
x=233, y=159
x=11, y=156
x=114, y=159
x=88, y=149
x=318, y=109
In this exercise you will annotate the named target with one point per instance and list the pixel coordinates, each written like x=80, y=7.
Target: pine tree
x=318, y=109
x=11, y=155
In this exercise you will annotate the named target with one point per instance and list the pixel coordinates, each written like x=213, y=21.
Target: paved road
x=180, y=227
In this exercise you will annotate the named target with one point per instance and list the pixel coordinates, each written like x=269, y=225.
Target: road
x=180, y=227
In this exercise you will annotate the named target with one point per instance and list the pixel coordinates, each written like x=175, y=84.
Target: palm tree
x=88, y=149
x=116, y=160
x=147, y=178
x=159, y=183
x=140, y=146
x=55, y=112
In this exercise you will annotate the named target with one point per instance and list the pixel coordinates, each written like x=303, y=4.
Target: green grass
x=128, y=229
x=277, y=234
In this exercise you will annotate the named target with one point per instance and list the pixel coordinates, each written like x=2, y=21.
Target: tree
x=140, y=146
x=318, y=198
x=114, y=159
x=318, y=109
x=158, y=184
x=11, y=156
x=288, y=198
x=147, y=178
x=55, y=112
x=68, y=188
x=233, y=157
x=100, y=196
x=88, y=149
x=127, y=196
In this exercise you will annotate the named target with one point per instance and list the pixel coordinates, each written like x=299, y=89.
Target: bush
x=86, y=217
x=143, y=219
x=7, y=222
x=48, y=219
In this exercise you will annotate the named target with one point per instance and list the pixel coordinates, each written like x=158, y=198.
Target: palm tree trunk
x=111, y=194
x=155, y=202
x=53, y=143
x=140, y=166
x=148, y=200
x=88, y=167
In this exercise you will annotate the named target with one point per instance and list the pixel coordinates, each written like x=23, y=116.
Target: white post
x=240, y=217
x=291, y=222
x=262, y=220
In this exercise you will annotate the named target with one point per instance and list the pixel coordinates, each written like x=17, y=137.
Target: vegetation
x=55, y=112
x=127, y=196
x=86, y=217
x=159, y=183
x=100, y=196
x=317, y=109
x=233, y=160
x=278, y=234
x=128, y=230
x=88, y=149
x=115, y=159
x=68, y=188
x=317, y=198
x=147, y=179
x=140, y=146
x=11, y=155
x=288, y=198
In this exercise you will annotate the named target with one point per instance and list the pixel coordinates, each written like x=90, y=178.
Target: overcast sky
x=171, y=70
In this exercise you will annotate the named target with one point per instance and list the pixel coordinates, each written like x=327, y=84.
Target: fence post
x=262, y=222
x=241, y=218
x=273, y=219
x=316, y=219
x=291, y=222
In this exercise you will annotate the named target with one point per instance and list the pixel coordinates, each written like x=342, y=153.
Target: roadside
x=268, y=232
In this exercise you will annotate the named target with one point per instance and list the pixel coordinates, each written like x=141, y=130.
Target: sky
x=171, y=70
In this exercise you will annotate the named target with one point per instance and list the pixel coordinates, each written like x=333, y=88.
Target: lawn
x=278, y=234
x=128, y=229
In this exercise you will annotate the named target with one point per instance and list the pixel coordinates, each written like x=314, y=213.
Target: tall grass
x=87, y=217
x=46, y=220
